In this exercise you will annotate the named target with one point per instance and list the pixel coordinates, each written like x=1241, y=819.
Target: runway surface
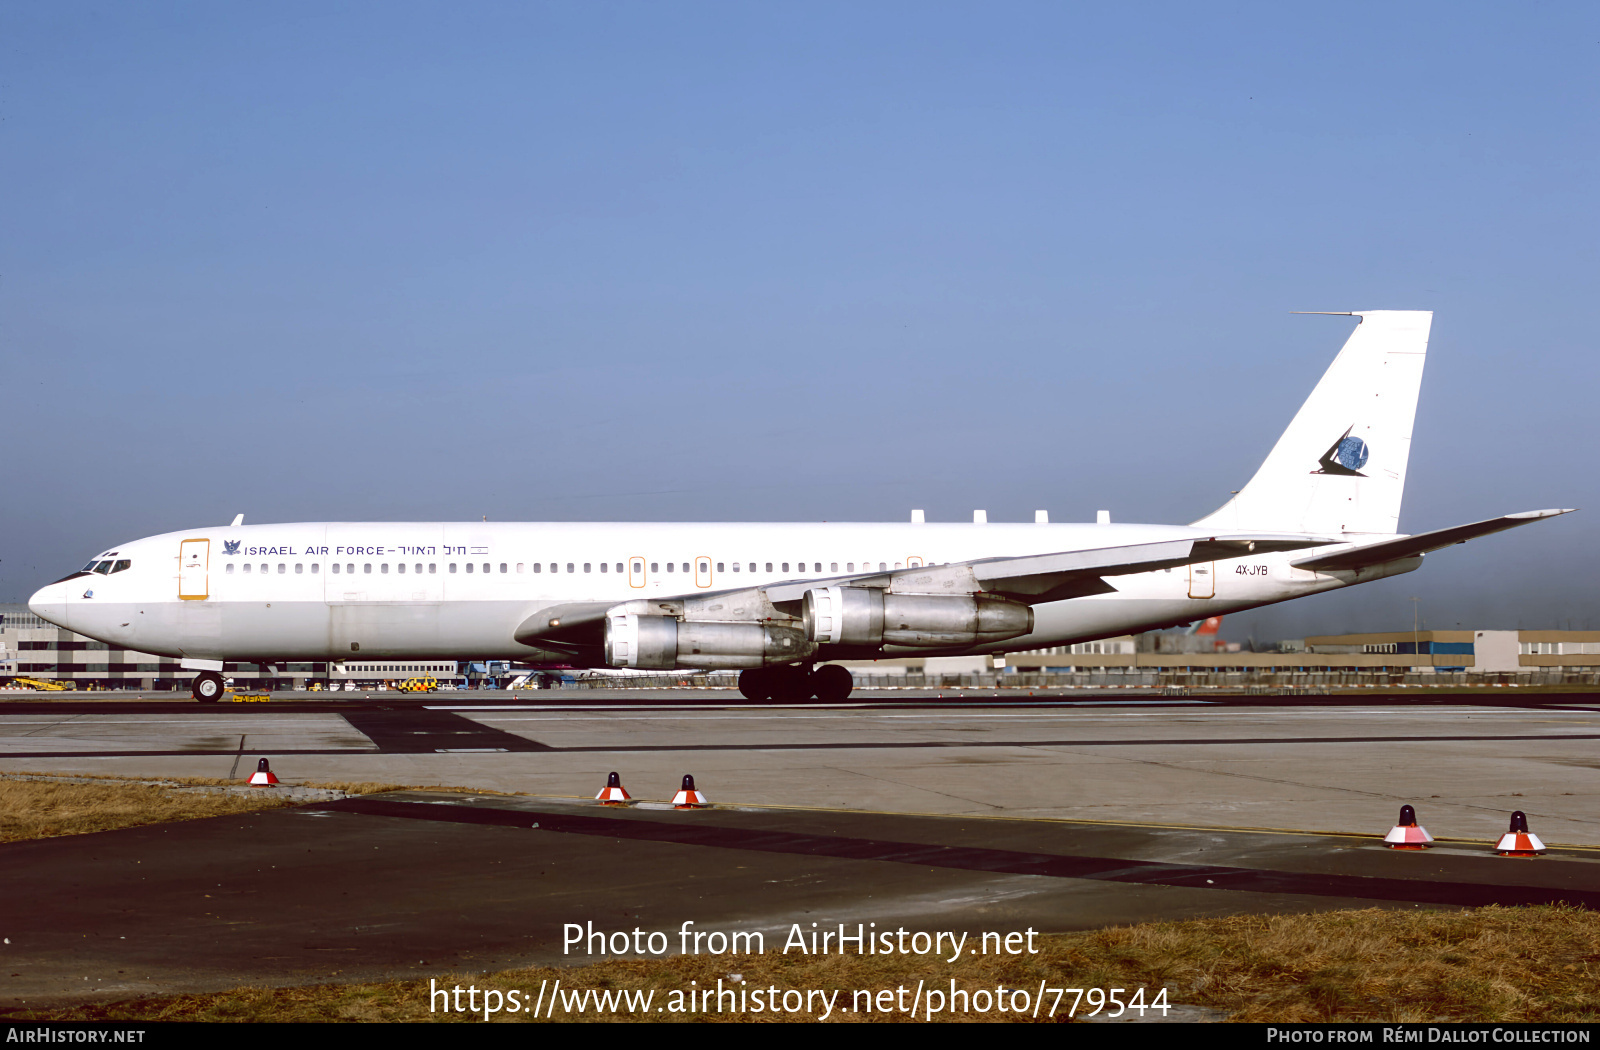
x=1051, y=816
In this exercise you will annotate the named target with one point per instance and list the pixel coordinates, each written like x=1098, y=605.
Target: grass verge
x=62, y=805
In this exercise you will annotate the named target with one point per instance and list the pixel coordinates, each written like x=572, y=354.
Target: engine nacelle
x=665, y=642
x=870, y=616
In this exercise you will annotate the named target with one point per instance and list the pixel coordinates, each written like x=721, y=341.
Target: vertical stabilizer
x=1341, y=465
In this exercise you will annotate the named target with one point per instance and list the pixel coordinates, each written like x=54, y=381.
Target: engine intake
x=870, y=616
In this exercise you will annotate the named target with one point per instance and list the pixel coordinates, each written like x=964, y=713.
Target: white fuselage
x=327, y=591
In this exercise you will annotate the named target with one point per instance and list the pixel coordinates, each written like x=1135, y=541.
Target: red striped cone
x=1407, y=834
x=1519, y=841
x=613, y=794
x=262, y=777
x=687, y=797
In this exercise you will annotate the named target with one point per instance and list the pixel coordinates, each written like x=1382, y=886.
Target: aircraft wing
x=1030, y=579
x=1408, y=546
x=1036, y=578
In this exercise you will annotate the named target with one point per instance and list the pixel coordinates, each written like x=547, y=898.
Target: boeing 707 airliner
x=779, y=601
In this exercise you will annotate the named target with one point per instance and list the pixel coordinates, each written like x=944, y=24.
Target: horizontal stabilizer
x=1422, y=543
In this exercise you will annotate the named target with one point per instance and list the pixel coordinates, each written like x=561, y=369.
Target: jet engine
x=871, y=616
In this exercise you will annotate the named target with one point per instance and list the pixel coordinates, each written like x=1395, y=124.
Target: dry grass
x=32, y=809
x=1487, y=965
x=58, y=805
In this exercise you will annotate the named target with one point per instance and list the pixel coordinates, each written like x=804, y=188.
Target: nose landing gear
x=207, y=687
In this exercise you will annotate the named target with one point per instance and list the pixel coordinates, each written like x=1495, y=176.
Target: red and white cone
x=1519, y=841
x=262, y=777
x=1407, y=834
x=613, y=794
x=687, y=797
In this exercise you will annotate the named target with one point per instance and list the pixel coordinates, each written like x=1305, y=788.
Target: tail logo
x=1346, y=456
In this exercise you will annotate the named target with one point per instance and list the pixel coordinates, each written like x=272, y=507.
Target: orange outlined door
x=194, y=570
x=635, y=572
x=1203, y=580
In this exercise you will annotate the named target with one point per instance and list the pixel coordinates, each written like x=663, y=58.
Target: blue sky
x=588, y=261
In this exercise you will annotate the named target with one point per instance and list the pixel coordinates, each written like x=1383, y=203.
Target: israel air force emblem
x=1346, y=456
x=231, y=546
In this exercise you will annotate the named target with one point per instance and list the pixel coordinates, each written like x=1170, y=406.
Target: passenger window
x=282, y=568
x=502, y=566
x=586, y=566
x=785, y=567
x=419, y=568
x=469, y=566
x=685, y=566
x=883, y=566
x=400, y=567
x=569, y=566
x=349, y=568
x=433, y=567
x=604, y=566
x=655, y=566
x=452, y=566
x=519, y=566
x=816, y=567
x=537, y=566
x=265, y=568
x=366, y=567
x=849, y=566
x=334, y=567
x=671, y=565
x=247, y=567
x=315, y=568
x=619, y=566
x=384, y=569
x=299, y=567
x=833, y=566
x=230, y=568
x=485, y=566
x=769, y=567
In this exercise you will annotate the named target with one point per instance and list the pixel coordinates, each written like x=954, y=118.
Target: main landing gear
x=207, y=687
x=829, y=683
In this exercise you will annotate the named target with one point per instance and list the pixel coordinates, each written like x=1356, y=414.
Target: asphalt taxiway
x=1002, y=815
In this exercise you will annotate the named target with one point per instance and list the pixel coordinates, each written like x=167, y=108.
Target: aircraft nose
x=50, y=603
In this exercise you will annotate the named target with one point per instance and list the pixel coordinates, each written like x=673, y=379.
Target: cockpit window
x=89, y=567
x=125, y=563
x=103, y=567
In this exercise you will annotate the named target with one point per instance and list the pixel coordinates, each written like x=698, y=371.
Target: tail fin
x=1341, y=465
